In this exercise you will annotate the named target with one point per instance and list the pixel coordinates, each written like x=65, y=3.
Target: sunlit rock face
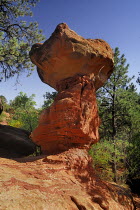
x=61, y=181
x=72, y=119
x=66, y=54
x=76, y=68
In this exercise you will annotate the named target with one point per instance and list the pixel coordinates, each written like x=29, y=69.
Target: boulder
x=15, y=142
x=66, y=54
x=76, y=68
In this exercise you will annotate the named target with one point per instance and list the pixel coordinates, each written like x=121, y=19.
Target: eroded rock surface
x=63, y=181
x=72, y=119
x=66, y=54
x=76, y=68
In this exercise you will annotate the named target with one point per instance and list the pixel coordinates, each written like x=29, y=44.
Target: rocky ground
x=136, y=199
x=62, y=181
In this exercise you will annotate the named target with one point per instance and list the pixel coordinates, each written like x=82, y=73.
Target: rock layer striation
x=72, y=119
x=62, y=181
x=76, y=68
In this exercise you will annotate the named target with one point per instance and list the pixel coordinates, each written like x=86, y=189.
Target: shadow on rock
x=15, y=142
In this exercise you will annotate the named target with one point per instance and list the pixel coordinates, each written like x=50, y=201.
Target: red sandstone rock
x=76, y=67
x=72, y=118
x=66, y=54
x=58, y=182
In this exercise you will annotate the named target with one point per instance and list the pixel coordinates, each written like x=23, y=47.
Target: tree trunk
x=114, y=165
x=1, y=106
x=29, y=121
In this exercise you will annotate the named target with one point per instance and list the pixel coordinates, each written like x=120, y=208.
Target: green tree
x=25, y=115
x=16, y=37
x=134, y=157
x=127, y=141
x=4, y=103
x=23, y=101
x=138, y=79
x=49, y=99
x=132, y=105
x=3, y=99
x=102, y=154
x=112, y=111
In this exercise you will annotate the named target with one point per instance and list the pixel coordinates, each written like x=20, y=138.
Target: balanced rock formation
x=76, y=68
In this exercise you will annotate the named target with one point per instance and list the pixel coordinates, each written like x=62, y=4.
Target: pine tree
x=16, y=37
x=113, y=115
x=49, y=99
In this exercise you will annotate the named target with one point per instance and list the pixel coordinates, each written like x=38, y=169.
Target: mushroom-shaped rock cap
x=66, y=54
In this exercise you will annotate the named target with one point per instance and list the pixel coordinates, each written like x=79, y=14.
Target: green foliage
x=25, y=115
x=101, y=153
x=49, y=99
x=103, y=159
x=28, y=118
x=109, y=97
x=134, y=156
x=2, y=117
x=3, y=99
x=16, y=37
x=5, y=104
x=119, y=109
x=138, y=79
x=15, y=123
x=23, y=101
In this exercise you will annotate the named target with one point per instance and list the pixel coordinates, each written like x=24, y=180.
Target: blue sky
x=115, y=21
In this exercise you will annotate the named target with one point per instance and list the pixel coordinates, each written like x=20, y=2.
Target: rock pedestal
x=72, y=120
x=76, y=68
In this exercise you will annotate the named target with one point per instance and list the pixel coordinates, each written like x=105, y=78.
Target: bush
x=15, y=123
x=103, y=154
